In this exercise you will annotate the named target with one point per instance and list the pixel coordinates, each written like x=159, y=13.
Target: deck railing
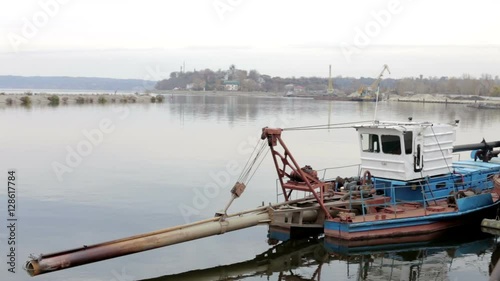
x=430, y=196
x=355, y=169
x=427, y=199
x=350, y=168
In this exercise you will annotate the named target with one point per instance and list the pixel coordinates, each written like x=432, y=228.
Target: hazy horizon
x=150, y=39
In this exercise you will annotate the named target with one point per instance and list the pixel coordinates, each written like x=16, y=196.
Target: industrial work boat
x=409, y=188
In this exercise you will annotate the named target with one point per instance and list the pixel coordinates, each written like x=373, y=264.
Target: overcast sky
x=148, y=39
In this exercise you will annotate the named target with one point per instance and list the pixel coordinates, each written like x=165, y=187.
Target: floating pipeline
x=152, y=240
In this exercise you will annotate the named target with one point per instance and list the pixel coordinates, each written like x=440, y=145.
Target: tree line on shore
x=250, y=81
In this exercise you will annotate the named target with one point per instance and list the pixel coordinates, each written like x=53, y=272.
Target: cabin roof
x=400, y=126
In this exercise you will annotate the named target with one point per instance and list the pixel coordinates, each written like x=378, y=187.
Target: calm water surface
x=142, y=176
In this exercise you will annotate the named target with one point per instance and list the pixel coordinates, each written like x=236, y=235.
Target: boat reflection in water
x=279, y=260
x=288, y=260
x=494, y=266
x=412, y=261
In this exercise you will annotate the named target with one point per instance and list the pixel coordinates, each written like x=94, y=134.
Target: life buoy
x=367, y=177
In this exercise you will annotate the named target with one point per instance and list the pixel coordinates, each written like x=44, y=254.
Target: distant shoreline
x=56, y=99
x=47, y=99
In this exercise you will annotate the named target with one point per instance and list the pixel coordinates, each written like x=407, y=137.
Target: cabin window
x=408, y=138
x=370, y=143
x=391, y=144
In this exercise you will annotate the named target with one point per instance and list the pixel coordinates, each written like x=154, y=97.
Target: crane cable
x=258, y=156
x=246, y=175
x=259, y=148
x=248, y=161
x=327, y=126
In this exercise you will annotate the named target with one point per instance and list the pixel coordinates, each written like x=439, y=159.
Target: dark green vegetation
x=102, y=100
x=53, y=100
x=25, y=101
x=158, y=99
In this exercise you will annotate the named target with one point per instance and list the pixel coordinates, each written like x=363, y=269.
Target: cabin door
x=418, y=153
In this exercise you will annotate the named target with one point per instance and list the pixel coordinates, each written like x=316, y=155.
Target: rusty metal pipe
x=143, y=242
x=156, y=239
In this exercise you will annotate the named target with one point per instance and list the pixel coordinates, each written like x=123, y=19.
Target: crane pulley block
x=238, y=189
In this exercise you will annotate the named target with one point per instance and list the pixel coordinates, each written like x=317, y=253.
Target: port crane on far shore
x=374, y=86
